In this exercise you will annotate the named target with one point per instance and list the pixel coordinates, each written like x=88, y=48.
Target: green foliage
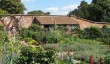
x=30, y=41
x=72, y=43
x=52, y=37
x=59, y=61
x=39, y=12
x=35, y=27
x=33, y=55
x=104, y=40
x=1, y=27
x=3, y=11
x=105, y=30
x=98, y=10
x=12, y=6
x=88, y=50
x=105, y=35
x=83, y=62
x=34, y=32
x=79, y=32
x=80, y=12
x=99, y=34
x=88, y=41
x=13, y=52
x=10, y=51
x=92, y=33
x=107, y=60
x=24, y=33
x=3, y=36
x=84, y=50
x=38, y=33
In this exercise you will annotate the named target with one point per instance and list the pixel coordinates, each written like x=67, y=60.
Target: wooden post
x=91, y=59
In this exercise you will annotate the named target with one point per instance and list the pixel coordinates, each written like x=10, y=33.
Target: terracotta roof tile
x=55, y=20
x=86, y=23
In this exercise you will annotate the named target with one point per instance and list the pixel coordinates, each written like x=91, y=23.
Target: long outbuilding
x=24, y=21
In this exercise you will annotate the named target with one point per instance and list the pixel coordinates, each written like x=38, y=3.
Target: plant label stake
x=91, y=59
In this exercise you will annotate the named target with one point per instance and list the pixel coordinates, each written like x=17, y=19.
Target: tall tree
x=80, y=12
x=12, y=6
x=98, y=10
x=83, y=3
x=95, y=1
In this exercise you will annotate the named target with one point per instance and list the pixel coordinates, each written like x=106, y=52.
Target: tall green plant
x=10, y=50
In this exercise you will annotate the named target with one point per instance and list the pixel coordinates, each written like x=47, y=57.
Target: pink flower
x=24, y=42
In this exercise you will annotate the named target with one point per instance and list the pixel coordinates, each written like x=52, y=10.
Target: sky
x=55, y=7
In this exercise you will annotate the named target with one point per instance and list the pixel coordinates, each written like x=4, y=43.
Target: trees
x=39, y=12
x=105, y=9
x=82, y=8
x=98, y=10
x=3, y=11
x=12, y=7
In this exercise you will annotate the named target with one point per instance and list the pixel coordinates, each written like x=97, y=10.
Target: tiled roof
x=84, y=23
x=55, y=20
x=26, y=21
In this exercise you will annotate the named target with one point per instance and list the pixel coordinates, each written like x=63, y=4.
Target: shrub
x=92, y=33
x=107, y=60
x=106, y=31
x=33, y=55
x=24, y=33
x=52, y=37
x=35, y=32
x=35, y=27
x=78, y=31
x=104, y=40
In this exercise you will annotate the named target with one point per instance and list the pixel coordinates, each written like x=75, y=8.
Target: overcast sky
x=56, y=7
